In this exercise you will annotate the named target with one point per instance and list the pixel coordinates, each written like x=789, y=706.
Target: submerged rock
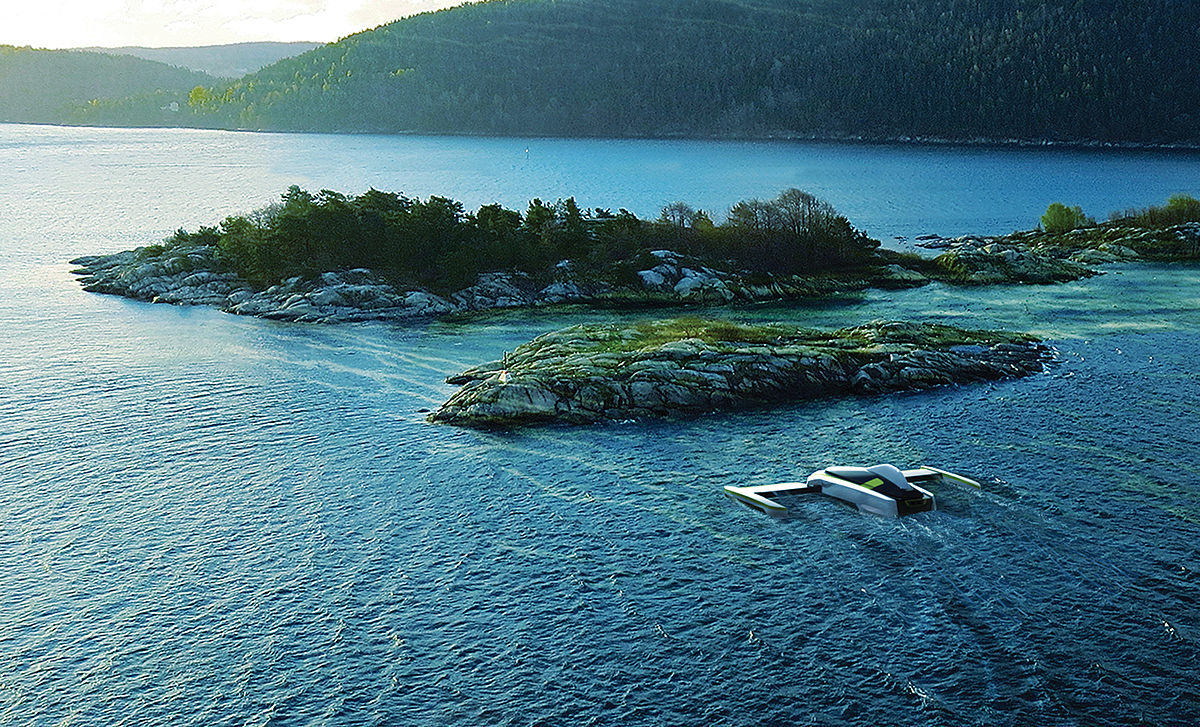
x=683, y=367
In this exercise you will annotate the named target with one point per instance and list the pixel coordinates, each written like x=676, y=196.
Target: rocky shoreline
x=192, y=275
x=587, y=374
x=1039, y=257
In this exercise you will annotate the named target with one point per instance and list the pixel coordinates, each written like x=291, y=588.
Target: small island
x=328, y=257
x=688, y=366
x=1068, y=245
x=331, y=258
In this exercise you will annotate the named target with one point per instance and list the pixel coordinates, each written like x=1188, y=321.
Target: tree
x=243, y=247
x=199, y=96
x=571, y=236
x=755, y=215
x=1185, y=207
x=1061, y=218
x=795, y=232
x=496, y=236
x=677, y=214
x=801, y=213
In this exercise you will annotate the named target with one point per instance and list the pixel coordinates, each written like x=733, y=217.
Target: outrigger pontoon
x=882, y=490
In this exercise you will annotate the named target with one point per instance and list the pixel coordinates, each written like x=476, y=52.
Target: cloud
x=81, y=23
x=322, y=20
x=372, y=13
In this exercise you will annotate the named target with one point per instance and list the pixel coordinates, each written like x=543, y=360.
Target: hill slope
x=44, y=86
x=1107, y=70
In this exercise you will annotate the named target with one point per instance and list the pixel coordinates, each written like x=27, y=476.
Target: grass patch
x=646, y=335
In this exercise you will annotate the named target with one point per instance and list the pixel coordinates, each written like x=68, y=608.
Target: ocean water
x=209, y=520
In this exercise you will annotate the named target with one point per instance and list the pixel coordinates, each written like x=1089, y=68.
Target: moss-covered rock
x=683, y=367
x=1038, y=256
x=995, y=262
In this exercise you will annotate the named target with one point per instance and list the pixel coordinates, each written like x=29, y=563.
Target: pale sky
x=164, y=23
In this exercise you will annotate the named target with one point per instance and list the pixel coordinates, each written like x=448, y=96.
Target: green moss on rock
x=687, y=366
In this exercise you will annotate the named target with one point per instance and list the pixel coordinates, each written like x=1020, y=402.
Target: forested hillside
x=50, y=86
x=1106, y=70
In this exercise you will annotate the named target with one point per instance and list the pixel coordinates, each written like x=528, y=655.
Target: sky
x=167, y=23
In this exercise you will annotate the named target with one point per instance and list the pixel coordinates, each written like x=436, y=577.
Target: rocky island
x=381, y=256
x=681, y=367
x=191, y=276
x=330, y=258
x=1043, y=257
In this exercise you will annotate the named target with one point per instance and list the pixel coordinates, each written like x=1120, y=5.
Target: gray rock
x=575, y=375
x=562, y=292
x=980, y=262
x=653, y=279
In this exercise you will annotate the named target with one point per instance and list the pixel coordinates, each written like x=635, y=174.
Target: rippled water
x=206, y=519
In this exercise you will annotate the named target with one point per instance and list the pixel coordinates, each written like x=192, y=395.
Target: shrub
x=1061, y=218
x=1180, y=208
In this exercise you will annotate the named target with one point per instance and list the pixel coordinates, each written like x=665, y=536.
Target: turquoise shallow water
x=207, y=519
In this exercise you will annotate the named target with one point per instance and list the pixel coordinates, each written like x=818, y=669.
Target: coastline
x=192, y=276
x=780, y=136
x=581, y=375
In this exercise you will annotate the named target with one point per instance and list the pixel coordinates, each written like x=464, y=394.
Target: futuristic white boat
x=881, y=490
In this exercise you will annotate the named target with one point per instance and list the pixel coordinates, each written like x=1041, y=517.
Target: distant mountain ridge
x=222, y=61
x=54, y=86
x=1091, y=71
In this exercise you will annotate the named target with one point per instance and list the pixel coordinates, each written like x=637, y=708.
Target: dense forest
x=1067, y=70
x=45, y=86
x=435, y=243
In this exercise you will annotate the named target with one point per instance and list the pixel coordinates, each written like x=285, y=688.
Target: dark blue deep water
x=214, y=520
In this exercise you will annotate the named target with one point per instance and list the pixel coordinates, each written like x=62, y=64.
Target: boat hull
x=871, y=500
x=882, y=490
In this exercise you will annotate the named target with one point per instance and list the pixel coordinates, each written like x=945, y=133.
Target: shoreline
x=899, y=140
x=192, y=276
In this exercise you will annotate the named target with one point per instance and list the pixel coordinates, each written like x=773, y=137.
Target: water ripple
x=207, y=519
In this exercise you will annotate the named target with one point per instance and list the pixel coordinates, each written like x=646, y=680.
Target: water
x=207, y=519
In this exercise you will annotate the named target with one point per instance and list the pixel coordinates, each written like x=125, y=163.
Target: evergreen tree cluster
x=435, y=244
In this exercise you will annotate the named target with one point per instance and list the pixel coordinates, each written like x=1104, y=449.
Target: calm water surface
x=207, y=519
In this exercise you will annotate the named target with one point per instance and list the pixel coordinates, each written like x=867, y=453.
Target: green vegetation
x=877, y=338
x=1151, y=233
x=44, y=86
x=653, y=334
x=1119, y=71
x=434, y=243
x=1061, y=218
x=1180, y=208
